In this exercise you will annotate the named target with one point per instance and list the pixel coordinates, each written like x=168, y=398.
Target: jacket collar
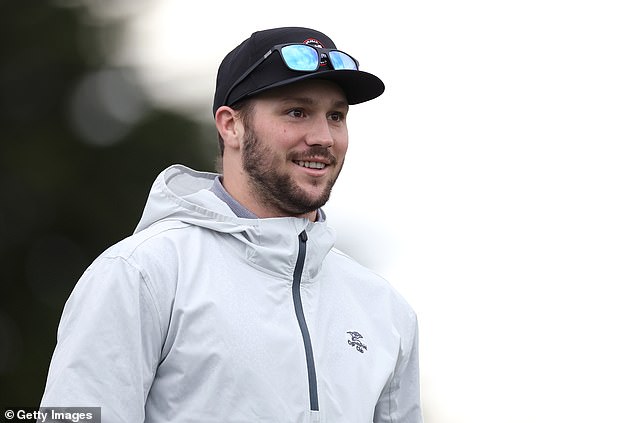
x=182, y=194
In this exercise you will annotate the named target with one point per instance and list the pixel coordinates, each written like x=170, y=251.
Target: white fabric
x=191, y=319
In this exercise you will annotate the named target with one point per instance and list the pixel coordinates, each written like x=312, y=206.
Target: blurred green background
x=80, y=147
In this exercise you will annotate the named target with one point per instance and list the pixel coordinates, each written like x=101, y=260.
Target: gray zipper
x=299, y=313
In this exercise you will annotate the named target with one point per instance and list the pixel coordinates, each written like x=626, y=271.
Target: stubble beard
x=276, y=190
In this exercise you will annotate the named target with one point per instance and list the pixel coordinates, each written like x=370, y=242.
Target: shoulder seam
x=146, y=284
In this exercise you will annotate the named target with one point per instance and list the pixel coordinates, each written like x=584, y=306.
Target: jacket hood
x=181, y=194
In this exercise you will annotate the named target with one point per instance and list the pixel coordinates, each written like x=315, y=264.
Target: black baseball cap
x=359, y=86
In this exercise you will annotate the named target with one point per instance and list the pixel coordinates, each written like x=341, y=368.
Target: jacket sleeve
x=108, y=343
x=400, y=401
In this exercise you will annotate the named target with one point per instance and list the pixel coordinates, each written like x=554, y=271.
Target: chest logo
x=354, y=341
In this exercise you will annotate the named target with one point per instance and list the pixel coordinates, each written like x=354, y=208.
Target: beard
x=277, y=190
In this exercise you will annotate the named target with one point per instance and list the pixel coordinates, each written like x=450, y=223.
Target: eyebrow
x=311, y=101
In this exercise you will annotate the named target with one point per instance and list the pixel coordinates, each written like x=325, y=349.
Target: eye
x=337, y=116
x=296, y=113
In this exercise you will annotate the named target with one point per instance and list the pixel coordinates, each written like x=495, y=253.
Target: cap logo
x=313, y=42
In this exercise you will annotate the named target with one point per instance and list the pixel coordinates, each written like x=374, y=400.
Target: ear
x=229, y=126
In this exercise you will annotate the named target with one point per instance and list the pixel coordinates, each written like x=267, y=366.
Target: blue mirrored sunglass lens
x=300, y=57
x=340, y=60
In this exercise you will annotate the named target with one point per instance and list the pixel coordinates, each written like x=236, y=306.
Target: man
x=229, y=303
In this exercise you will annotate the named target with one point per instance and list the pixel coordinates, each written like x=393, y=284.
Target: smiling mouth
x=310, y=165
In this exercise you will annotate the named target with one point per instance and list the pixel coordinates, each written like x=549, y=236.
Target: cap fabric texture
x=358, y=86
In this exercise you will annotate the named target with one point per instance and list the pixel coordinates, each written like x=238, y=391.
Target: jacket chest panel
x=234, y=326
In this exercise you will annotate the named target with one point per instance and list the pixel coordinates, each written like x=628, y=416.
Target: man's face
x=294, y=146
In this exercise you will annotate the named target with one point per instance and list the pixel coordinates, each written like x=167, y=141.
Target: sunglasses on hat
x=303, y=58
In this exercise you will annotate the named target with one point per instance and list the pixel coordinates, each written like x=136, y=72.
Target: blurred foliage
x=63, y=197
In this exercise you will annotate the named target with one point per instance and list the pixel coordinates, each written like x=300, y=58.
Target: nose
x=320, y=133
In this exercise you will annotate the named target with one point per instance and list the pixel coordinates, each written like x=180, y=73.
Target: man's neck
x=242, y=211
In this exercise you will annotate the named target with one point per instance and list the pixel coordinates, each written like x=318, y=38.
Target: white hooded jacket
x=201, y=316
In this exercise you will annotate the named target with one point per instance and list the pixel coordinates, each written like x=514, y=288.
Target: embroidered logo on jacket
x=354, y=341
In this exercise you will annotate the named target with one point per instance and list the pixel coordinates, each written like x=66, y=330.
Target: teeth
x=311, y=165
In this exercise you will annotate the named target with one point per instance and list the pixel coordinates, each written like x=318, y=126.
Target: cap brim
x=359, y=86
